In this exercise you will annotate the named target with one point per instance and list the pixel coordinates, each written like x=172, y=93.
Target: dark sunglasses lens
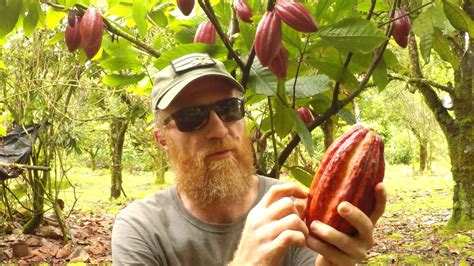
x=191, y=118
x=230, y=109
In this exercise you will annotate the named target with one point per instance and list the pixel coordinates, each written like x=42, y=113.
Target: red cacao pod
x=186, y=6
x=401, y=28
x=205, y=33
x=305, y=115
x=72, y=17
x=243, y=10
x=296, y=15
x=268, y=38
x=349, y=170
x=92, y=28
x=279, y=64
x=72, y=36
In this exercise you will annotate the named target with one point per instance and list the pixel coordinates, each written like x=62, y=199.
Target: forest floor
x=412, y=230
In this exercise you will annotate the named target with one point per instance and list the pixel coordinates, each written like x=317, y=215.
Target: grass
x=412, y=230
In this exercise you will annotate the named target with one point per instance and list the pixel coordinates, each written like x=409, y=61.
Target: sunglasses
x=195, y=117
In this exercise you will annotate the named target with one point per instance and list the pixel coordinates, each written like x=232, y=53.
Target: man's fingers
x=279, y=191
x=358, y=219
x=343, y=243
x=380, y=202
x=281, y=208
x=290, y=222
x=328, y=251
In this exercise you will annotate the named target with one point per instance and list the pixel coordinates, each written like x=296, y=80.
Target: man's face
x=215, y=162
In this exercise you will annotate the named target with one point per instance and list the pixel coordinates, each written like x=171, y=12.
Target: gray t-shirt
x=158, y=230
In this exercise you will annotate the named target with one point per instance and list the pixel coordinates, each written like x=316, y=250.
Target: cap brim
x=169, y=96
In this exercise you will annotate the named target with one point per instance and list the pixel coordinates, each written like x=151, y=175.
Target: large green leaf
x=380, y=76
x=283, y=119
x=347, y=116
x=302, y=131
x=261, y=80
x=353, y=34
x=31, y=19
x=158, y=14
x=308, y=86
x=117, y=80
x=458, y=18
x=443, y=48
x=178, y=51
x=9, y=13
x=121, y=63
x=291, y=38
x=247, y=34
x=334, y=71
x=139, y=16
x=303, y=175
x=423, y=27
x=2, y=65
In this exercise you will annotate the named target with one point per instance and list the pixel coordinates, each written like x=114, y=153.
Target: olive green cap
x=172, y=79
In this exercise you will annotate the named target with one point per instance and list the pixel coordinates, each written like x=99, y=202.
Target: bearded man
x=220, y=212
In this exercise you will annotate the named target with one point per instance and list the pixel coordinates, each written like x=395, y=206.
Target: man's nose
x=216, y=128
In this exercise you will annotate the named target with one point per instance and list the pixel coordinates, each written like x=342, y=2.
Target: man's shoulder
x=150, y=204
x=268, y=181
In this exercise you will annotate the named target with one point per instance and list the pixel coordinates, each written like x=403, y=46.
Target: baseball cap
x=172, y=79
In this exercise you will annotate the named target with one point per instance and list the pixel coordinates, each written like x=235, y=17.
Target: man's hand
x=339, y=248
x=273, y=225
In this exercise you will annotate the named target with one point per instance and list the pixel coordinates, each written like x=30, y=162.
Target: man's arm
x=339, y=248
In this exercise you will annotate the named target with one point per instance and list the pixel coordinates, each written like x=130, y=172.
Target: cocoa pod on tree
x=186, y=6
x=72, y=36
x=92, y=28
x=72, y=17
x=401, y=28
x=279, y=64
x=243, y=10
x=296, y=15
x=305, y=115
x=268, y=38
x=349, y=170
x=205, y=33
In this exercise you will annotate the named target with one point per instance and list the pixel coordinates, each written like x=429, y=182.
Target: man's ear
x=158, y=136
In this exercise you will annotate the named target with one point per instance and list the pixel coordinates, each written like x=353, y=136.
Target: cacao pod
x=305, y=115
x=401, y=28
x=72, y=36
x=296, y=15
x=279, y=64
x=205, y=33
x=72, y=17
x=186, y=6
x=243, y=10
x=349, y=170
x=92, y=28
x=268, y=38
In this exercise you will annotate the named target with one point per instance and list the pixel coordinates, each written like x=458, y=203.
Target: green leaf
x=31, y=19
x=334, y=71
x=178, y=51
x=120, y=63
x=3, y=130
x=53, y=18
x=57, y=37
x=247, y=34
x=261, y=80
x=347, y=116
x=10, y=12
x=283, y=119
x=443, y=48
x=158, y=14
x=352, y=34
x=2, y=65
x=321, y=7
x=458, y=18
x=291, y=38
x=117, y=80
x=139, y=16
x=302, y=131
x=423, y=27
x=302, y=175
x=380, y=76
x=307, y=86
x=390, y=58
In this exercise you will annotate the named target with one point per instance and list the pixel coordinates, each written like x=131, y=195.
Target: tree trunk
x=423, y=154
x=458, y=130
x=118, y=127
x=329, y=129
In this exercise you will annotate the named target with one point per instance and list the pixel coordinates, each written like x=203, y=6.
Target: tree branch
x=207, y=8
x=447, y=88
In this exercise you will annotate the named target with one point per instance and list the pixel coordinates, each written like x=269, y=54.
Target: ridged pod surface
x=243, y=10
x=72, y=36
x=296, y=15
x=186, y=6
x=205, y=33
x=401, y=28
x=305, y=114
x=349, y=170
x=268, y=38
x=92, y=28
x=279, y=64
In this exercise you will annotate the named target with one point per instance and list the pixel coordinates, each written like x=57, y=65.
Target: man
x=220, y=212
